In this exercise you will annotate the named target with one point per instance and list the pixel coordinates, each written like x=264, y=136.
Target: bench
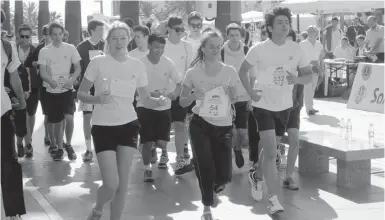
x=353, y=157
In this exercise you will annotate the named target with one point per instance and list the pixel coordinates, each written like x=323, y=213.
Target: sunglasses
x=196, y=26
x=179, y=29
x=25, y=36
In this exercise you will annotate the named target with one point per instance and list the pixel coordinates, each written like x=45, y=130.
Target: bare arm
x=244, y=77
x=17, y=88
x=76, y=74
x=83, y=94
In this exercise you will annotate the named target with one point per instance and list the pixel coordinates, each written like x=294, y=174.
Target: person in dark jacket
x=31, y=83
x=355, y=30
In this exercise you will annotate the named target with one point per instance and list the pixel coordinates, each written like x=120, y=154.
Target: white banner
x=368, y=88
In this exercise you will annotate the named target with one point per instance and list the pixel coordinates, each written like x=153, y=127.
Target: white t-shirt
x=181, y=55
x=347, y=53
x=59, y=60
x=312, y=52
x=197, y=79
x=137, y=53
x=122, y=79
x=195, y=43
x=272, y=62
x=372, y=35
x=159, y=76
x=13, y=65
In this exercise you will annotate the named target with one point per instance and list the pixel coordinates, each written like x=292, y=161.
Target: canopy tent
x=252, y=16
x=330, y=6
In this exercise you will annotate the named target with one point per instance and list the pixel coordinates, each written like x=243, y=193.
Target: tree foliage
x=55, y=16
x=147, y=8
x=181, y=8
x=30, y=12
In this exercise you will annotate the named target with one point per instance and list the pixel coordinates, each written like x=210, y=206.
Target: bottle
x=342, y=128
x=349, y=130
x=371, y=135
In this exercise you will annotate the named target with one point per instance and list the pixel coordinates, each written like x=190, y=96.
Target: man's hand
x=34, y=63
x=249, y=105
x=53, y=84
x=156, y=94
x=199, y=94
x=162, y=100
x=26, y=95
x=172, y=96
x=69, y=84
x=16, y=104
x=8, y=90
x=257, y=95
x=291, y=78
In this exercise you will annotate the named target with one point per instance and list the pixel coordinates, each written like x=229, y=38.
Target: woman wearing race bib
x=215, y=85
x=114, y=122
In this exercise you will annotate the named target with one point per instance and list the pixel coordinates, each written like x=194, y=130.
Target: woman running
x=215, y=85
x=115, y=127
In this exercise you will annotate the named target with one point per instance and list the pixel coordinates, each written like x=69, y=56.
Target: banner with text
x=368, y=88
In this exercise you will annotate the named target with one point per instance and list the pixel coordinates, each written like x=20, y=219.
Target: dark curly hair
x=272, y=14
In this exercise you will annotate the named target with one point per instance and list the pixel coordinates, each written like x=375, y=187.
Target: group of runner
x=213, y=93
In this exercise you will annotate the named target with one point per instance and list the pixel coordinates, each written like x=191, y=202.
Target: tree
x=73, y=21
x=7, y=23
x=130, y=9
x=43, y=16
x=147, y=8
x=181, y=8
x=31, y=14
x=55, y=16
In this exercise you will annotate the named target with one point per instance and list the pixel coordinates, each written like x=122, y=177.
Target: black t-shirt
x=83, y=49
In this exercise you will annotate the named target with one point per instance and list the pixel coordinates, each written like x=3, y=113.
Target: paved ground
x=66, y=190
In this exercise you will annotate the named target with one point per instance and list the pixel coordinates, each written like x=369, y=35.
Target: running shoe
x=148, y=176
x=275, y=206
x=290, y=184
x=95, y=215
x=88, y=156
x=51, y=149
x=47, y=142
x=256, y=186
x=239, y=161
x=182, y=167
x=28, y=150
x=57, y=154
x=20, y=150
x=70, y=152
x=163, y=161
x=154, y=156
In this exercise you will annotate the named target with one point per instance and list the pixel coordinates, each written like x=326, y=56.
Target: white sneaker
x=275, y=206
x=256, y=186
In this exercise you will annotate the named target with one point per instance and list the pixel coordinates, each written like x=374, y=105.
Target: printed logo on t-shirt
x=182, y=57
x=165, y=74
x=290, y=57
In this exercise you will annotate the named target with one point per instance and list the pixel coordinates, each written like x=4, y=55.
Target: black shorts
x=269, y=120
x=43, y=100
x=154, y=125
x=241, y=115
x=178, y=113
x=59, y=105
x=32, y=102
x=294, y=118
x=20, y=120
x=107, y=138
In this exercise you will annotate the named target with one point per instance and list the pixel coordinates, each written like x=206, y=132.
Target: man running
x=55, y=62
x=276, y=61
x=180, y=52
x=156, y=122
x=88, y=49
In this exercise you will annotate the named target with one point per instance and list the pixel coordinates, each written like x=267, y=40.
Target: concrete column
x=18, y=16
x=43, y=17
x=73, y=21
x=130, y=9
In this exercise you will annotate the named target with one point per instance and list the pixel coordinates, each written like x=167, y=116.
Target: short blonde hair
x=116, y=25
x=312, y=28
